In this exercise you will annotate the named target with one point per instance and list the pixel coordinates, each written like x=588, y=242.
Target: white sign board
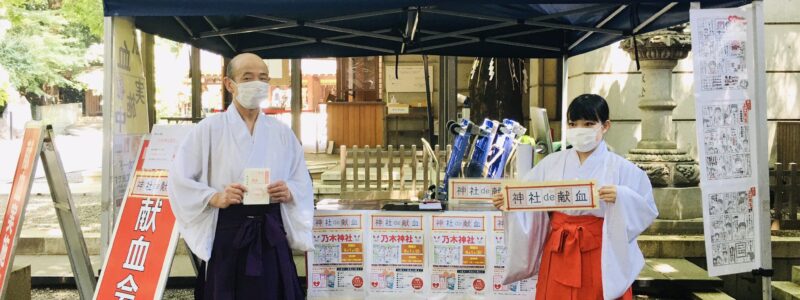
x=164, y=140
x=471, y=189
x=394, y=109
x=726, y=101
x=410, y=79
x=551, y=196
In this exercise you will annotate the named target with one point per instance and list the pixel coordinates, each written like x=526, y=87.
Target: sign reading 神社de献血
x=551, y=196
x=473, y=189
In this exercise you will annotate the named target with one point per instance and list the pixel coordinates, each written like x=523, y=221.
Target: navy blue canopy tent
x=344, y=28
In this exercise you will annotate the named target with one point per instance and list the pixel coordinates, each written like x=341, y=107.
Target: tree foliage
x=47, y=43
x=86, y=16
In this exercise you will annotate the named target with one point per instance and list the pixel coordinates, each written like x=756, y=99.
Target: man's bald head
x=245, y=62
x=243, y=68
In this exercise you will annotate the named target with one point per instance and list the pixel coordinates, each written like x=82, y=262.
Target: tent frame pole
x=533, y=21
x=564, y=98
x=599, y=25
x=184, y=26
x=224, y=39
x=654, y=17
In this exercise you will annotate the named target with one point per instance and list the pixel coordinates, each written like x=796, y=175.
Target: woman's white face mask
x=250, y=94
x=584, y=139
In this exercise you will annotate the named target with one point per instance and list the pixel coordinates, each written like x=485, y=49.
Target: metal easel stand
x=67, y=217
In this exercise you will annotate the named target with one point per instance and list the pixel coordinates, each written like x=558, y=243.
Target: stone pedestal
x=673, y=173
x=678, y=203
x=19, y=283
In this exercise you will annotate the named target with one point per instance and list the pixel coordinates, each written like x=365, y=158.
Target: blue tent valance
x=318, y=28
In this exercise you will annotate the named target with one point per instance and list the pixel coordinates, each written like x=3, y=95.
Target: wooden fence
x=381, y=174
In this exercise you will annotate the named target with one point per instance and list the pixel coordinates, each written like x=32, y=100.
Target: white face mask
x=583, y=139
x=250, y=94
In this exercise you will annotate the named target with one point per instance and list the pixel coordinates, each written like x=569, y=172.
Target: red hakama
x=570, y=267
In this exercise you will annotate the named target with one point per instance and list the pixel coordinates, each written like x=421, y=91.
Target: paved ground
x=70, y=294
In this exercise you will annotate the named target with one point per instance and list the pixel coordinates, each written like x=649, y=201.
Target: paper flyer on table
x=336, y=267
x=397, y=255
x=523, y=289
x=458, y=248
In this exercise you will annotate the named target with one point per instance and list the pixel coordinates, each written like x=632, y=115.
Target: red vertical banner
x=18, y=199
x=140, y=256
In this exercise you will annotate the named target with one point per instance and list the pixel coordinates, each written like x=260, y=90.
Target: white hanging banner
x=726, y=101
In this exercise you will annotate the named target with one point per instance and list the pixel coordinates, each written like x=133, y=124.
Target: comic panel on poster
x=721, y=49
x=730, y=223
x=726, y=141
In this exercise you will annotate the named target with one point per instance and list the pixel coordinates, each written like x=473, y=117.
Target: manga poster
x=725, y=101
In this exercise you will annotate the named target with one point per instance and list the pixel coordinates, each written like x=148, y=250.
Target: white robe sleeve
x=298, y=215
x=525, y=234
x=189, y=192
x=633, y=211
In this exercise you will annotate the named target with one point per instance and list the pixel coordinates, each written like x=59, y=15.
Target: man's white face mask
x=584, y=139
x=250, y=94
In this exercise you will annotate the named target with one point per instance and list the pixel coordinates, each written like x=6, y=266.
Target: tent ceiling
x=314, y=28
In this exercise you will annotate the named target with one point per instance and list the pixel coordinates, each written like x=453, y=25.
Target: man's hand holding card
x=256, y=181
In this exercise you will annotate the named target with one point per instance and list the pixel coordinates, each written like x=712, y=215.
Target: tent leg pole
x=297, y=97
x=148, y=59
x=762, y=134
x=448, y=90
x=564, y=99
x=106, y=191
x=197, y=93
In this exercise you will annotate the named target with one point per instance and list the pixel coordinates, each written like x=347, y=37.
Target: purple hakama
x=250, y=258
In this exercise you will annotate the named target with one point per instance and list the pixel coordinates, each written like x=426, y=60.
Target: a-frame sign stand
x=39, y=142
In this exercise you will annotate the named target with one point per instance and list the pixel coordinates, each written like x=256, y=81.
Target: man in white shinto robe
x=245, y=249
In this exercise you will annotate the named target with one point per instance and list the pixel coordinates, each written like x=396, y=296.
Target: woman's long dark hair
x=588, y=107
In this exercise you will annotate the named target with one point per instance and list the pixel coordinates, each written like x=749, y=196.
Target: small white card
x=430, y=206
x=256, y=182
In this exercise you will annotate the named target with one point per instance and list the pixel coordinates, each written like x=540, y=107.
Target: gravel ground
x=80, y=147
x=40, y=214
x=70, y=294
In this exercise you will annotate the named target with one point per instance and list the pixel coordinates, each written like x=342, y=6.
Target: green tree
x=86, y=17
x=3, y=97
x=47, y=42
x=38, y=55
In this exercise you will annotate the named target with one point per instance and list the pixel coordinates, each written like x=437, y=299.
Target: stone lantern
x=672, y=171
